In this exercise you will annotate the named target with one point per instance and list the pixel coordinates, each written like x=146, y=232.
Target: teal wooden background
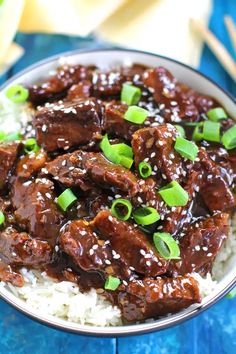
x=212, y=332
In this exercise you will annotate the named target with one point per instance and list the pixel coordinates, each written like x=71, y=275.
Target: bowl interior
x=106, y=59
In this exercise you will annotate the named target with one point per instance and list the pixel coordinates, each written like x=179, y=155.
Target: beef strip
x=156, y=146
x=8, y=155
x=19, y=249
x=90, y=253
x=149, y=298
x=200, y=245
x=82, y=169
x=80, y=242
x=106, y=85
x=130, y=244
x=63, y=125
x=116, y=125
x=30, y=164
x=9, y=274
x=82, y=89
x=35, y=208
x=215, y=187
x=177, y=101
x=56, y=85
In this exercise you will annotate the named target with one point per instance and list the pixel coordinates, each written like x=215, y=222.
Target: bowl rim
x=134, y=329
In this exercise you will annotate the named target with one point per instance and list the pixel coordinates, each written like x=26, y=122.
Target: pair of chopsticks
x=216, y=46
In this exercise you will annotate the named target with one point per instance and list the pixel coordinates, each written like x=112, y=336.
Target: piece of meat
x=177, y=217
x=200, y=245
x=19, y=249
x=35, y=208
x=67, y=124
x=80, y=242
x=30, y=164
x=9, y=274
x=107, y=84
x=177, y=101
x=215, y=186
x=8, y=155
x=56, y=85
x=82, y=89
x=116, y=125
x=82, y=169
x=149, y=298
x=156, y=146
x=131, y=244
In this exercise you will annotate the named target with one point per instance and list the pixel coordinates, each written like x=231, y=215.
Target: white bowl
x=110, y=58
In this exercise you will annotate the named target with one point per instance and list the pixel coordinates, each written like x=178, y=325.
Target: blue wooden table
x=212, y=332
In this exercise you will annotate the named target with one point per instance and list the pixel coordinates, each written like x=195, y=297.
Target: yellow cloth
x=10, y=13
x=74, y=17
x=159, y=26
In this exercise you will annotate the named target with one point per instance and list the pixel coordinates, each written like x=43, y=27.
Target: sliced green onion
x=118, y=153
x=123, y=149
x=130, y=94
x=136, y=114
x=174, y=195
x=17, y=93
x=186, y=148
x=121, y=209
x=198, y=132
x=166, y=245
x=66, y=198
x=180, y=130
x=112, y=283
x=232, y=294
x=2, y=218
x=146, y=216
x=126, y=161
x=31, y=146
x=13, y=137
x=190, y=124
x=216, y=114
x=211, y=131
x=145, y=169
x=229, y=138
x=2, y=135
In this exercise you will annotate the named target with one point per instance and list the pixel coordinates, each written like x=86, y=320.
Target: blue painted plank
x=214, y=331
x=20, y=335
x=209, y=64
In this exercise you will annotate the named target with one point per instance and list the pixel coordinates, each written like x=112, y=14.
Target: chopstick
x=231, y=29
x=216, y=46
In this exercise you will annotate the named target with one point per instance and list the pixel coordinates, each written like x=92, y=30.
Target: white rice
x=64, y=299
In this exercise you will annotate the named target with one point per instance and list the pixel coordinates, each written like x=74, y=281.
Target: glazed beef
x=63, y=125
x=130, y=244
x=35, y=208
x=56, y=85
x=215, y=187
x=156, y=146
x=9, y=274
x=82, y=168
x=153, y=298
x=84, y=242
x=8, y=155
x=200, y=245
x=177, y=101
x=107, y=85
x=80, y=242
x=18, y=248
x=82, y=89
x=31, y=164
